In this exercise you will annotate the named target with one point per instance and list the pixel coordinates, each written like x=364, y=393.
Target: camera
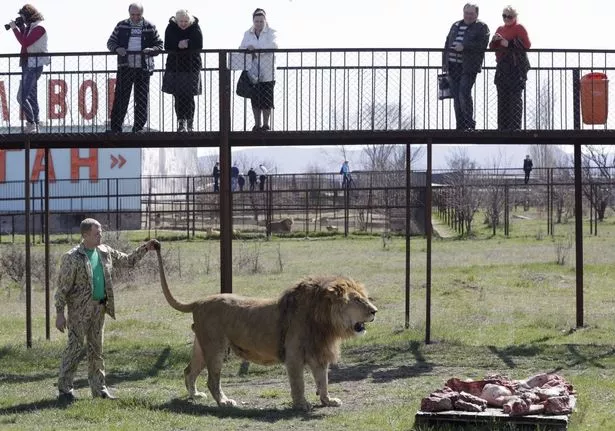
x=19, y=21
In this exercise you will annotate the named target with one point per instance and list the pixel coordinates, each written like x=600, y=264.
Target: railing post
x=226, y=201
x=428, y=232
x=408, y=221
x=47, y=284
x=578, y=209
x=28, y=244
x=576, y=98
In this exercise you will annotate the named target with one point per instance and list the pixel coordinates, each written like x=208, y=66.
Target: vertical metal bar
x=187, y=208
x=428, y=235
x=307, y=212
x=506, y=211
x=193, y=208
x=578, y=217
x=226, y=202
x=576, y=98
x=408, y=221
x=47, y=284
x=27, y=240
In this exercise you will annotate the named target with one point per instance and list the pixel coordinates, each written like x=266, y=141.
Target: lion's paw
x=331, y=402
x=228, y=403
x=303, y=405
x=197, y=394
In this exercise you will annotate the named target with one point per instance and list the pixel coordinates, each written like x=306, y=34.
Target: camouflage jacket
x=75, y=281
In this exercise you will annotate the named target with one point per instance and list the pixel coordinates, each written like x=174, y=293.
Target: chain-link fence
x=306, y=90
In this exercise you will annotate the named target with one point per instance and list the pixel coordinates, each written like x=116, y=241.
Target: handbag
x=245, y=87
x=444, y=87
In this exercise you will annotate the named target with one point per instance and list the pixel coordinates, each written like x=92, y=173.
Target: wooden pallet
x=493, y=416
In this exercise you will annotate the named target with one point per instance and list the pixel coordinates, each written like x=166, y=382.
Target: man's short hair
x=137, y=5
x=473, y=5
x=87, y=224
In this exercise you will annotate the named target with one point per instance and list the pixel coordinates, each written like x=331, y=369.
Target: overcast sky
x=86, y=25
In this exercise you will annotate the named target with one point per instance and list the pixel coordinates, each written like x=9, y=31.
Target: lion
x=278, y=226
x=304, y=327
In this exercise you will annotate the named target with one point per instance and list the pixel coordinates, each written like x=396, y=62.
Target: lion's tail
x=179, y=306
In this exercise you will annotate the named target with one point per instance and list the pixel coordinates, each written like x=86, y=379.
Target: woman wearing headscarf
x=260, y=67
x=32, y=37
x=511, y=41
x=183, y=40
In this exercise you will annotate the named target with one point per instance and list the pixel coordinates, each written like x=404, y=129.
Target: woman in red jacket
x=511, y=41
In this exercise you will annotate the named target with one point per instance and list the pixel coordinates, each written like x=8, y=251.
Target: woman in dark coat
x=511, y=41
x=183, y=40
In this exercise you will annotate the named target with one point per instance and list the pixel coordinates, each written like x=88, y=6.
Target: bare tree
x=464, y=196
x=563, y=193
x=544, y=116
x=543, y=156
x=598, y=170
x=494, y=186
x=389, y=157
x=382, y=116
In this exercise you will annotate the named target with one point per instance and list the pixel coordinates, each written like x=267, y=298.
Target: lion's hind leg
x=214, y=369
x=193, y=370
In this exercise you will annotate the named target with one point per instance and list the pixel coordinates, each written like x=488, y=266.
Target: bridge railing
x=315, y=90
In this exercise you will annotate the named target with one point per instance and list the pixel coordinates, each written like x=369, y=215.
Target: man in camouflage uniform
x=85, y=288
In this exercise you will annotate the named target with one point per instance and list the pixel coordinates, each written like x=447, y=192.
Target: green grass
x=499, y=305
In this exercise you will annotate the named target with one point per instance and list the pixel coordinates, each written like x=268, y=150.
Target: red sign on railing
x=58, y=95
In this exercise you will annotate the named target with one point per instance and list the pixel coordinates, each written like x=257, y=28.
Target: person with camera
x=32, y=37
x=129, y=36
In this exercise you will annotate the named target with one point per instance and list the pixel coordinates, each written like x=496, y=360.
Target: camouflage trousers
x=87, y=322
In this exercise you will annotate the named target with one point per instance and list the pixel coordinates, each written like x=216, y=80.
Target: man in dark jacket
x=527, y=167
x=216, y=175
x=134, y=34
x=252, y=179
x=462, y=59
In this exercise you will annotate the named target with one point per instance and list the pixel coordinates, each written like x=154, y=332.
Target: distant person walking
x=261, y=67
x=85, y=289
x=216, y=175
x=345, y=173
x=252, y=179
x=140, y=35
x=511, y=41
x=462, y=59
x=527, y=167
x=241, y=182
x=263, y=177
x=234, y=177
x=182, y=76
x=32, y=37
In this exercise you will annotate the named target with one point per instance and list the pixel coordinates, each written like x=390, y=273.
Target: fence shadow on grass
x=270, y=415
x=152, y=371
x=33, y=407
x=378, y=369
x=17, y=379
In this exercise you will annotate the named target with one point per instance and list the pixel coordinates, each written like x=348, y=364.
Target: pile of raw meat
x=539, y=394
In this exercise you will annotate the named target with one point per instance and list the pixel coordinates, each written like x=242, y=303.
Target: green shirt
x=98, y=275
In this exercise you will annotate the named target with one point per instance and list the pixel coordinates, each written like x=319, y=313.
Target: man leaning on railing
x=133, y=35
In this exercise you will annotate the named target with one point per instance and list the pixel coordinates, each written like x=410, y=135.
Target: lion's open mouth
x=359, y=327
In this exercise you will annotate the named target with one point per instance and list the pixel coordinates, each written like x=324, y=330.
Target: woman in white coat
x=261, y=67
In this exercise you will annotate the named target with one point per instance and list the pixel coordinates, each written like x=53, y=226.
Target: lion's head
x=324, y=310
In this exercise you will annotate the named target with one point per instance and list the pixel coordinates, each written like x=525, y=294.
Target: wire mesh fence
x=306, y=90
